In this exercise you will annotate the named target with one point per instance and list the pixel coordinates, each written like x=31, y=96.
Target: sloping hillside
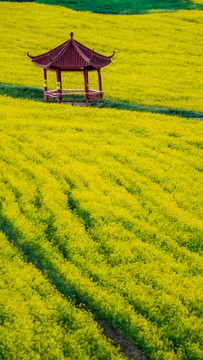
x=158, y=58
x=101, y=209
x=107, y=205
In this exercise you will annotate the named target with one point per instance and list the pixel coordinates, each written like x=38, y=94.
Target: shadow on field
x=124, y=105
x=22, y=92
x=34, y=253
x=37, y=94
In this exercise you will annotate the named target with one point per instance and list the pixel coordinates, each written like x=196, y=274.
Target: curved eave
x=54, y=67
x=104, y=57
x=91, y=64
x=41, y=65
x=110, y=57
x=48, y=53
x=35, y=60
x=81, y=46
x=96, y=67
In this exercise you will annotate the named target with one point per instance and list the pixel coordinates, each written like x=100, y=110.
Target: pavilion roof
x=71, y=55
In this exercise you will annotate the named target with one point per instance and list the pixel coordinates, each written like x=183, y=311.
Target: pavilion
x=71, y=56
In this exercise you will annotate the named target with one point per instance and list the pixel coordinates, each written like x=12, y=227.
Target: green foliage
x=24, y=92
x=123, y=6
x=106, y=204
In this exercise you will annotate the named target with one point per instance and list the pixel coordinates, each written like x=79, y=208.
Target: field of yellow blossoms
x=100, y=209
x=158, y=57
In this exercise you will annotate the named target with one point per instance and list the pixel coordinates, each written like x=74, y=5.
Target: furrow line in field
x=77, y=204
x=151, y=179
x=86, y=212
x=69, y=282
x=34, y=252
x=50, y=232
x=55, y=328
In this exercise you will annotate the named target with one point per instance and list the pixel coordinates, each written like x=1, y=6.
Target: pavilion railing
x=91, y=95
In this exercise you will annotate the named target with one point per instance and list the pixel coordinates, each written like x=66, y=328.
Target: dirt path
x=126, y=347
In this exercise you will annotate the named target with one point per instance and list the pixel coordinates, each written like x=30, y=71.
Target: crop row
x=110, y=213
x=36, y=322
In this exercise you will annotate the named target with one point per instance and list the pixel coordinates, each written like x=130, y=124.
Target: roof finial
x=71, y=34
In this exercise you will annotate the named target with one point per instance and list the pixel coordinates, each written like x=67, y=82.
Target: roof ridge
x=80, y=52
x=46, y=53
x=94, y=52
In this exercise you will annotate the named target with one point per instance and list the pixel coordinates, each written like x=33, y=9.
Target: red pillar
x=86, y=85
x=45, y=86
x=100, y=82
x=59, y=86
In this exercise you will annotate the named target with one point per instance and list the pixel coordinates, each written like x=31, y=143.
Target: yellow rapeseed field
x=107, y=204
x=34, y=317
x=100, y=209
x=197, y=1
x=158, y=57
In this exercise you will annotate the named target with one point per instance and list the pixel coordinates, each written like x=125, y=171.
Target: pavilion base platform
x=72, y=96
x=75, y=103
